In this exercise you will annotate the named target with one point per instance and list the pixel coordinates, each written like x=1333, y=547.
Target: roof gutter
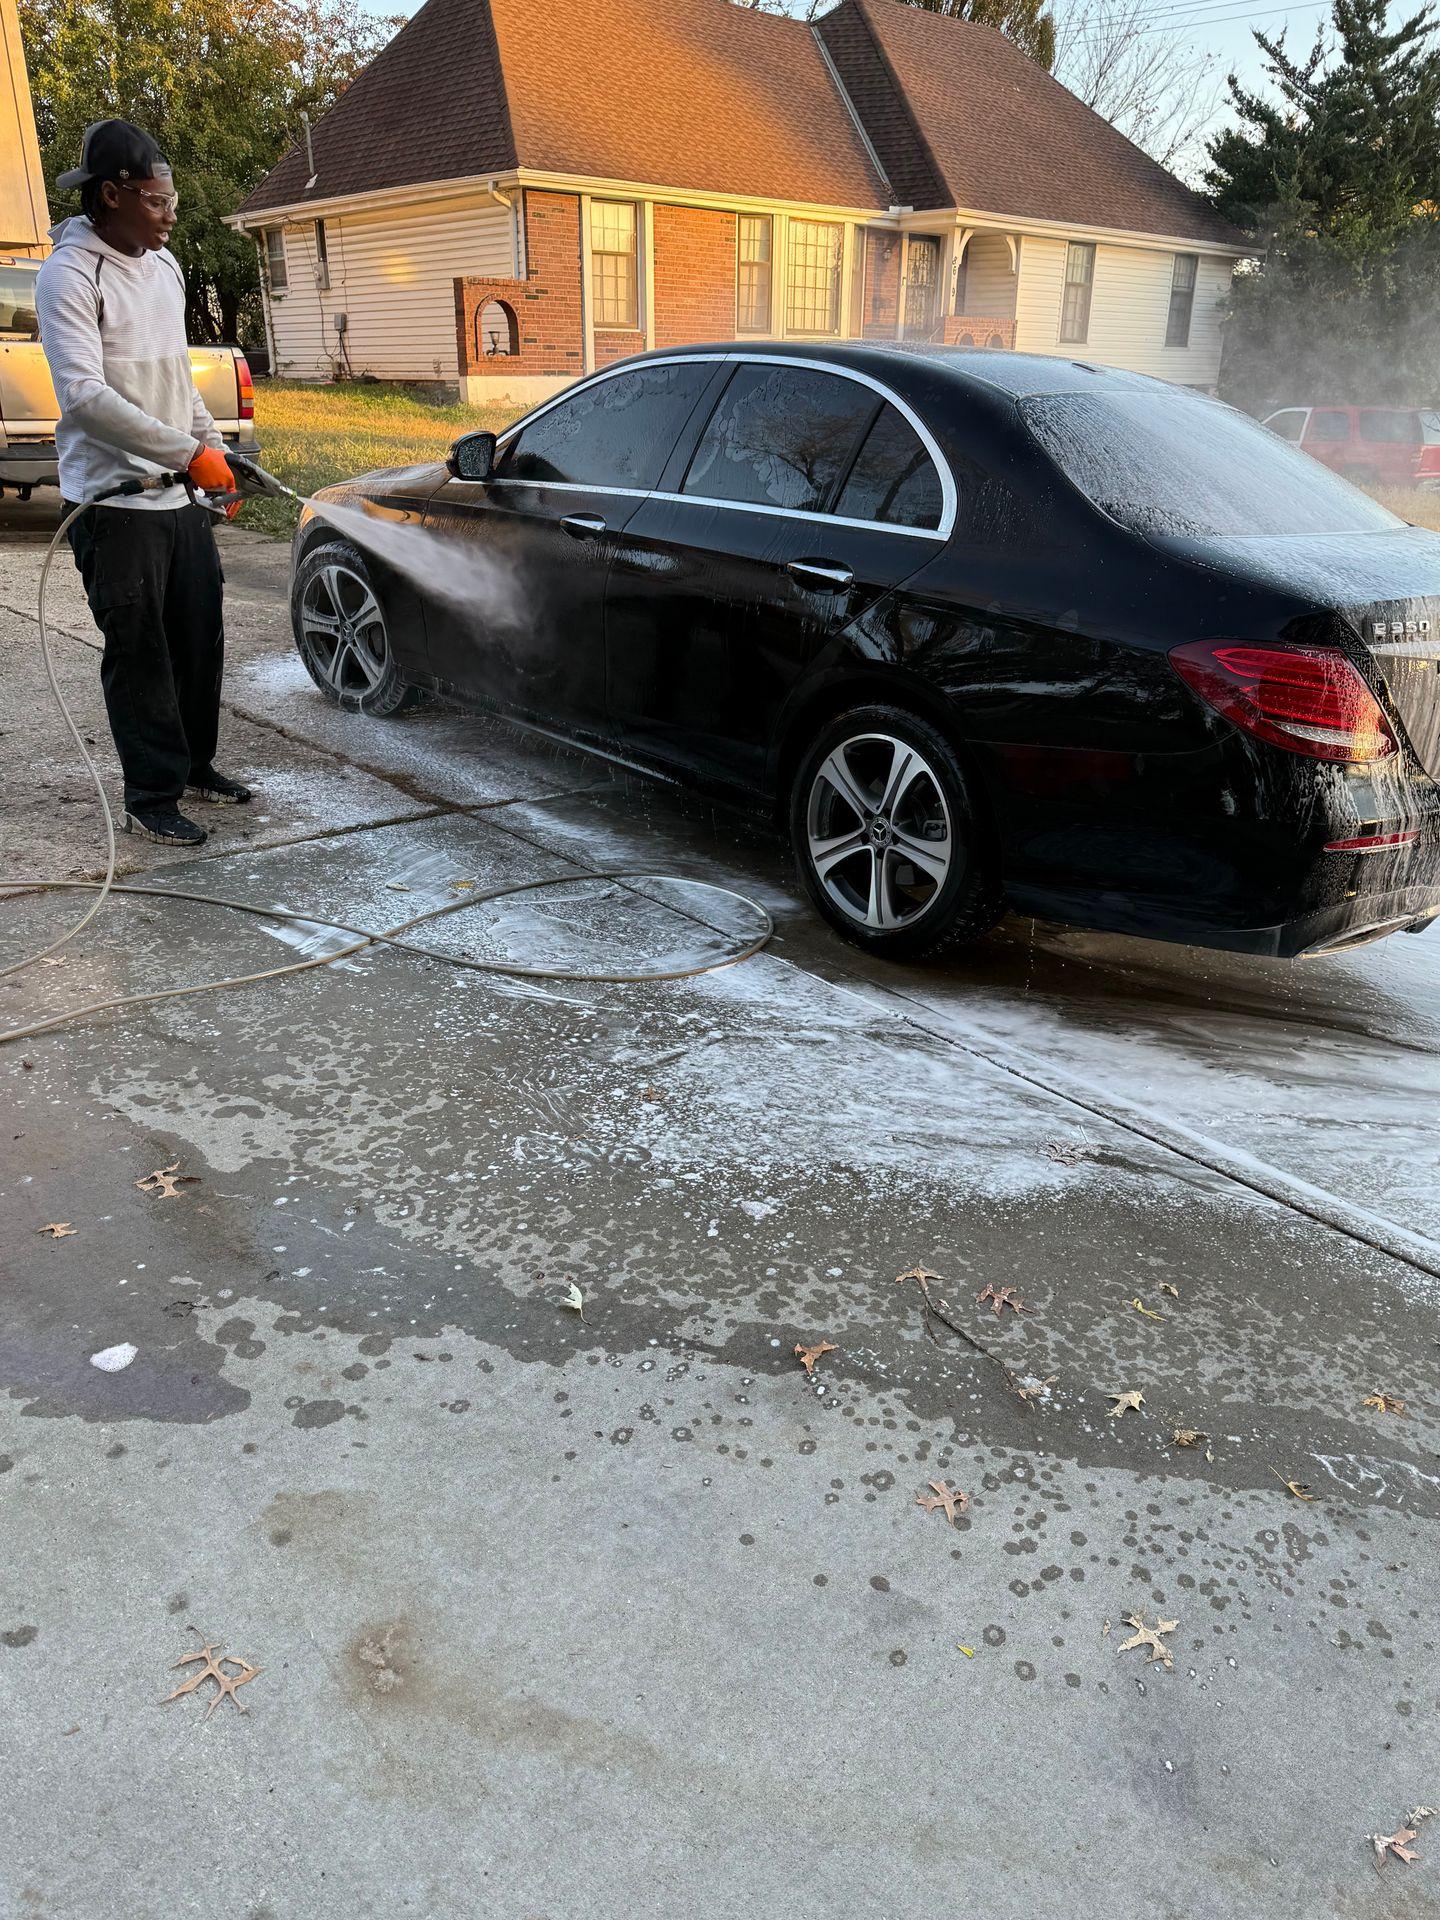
x=991, y=221
x=381, y=200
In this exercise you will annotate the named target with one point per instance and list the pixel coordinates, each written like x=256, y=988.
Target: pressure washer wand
x=252, y=482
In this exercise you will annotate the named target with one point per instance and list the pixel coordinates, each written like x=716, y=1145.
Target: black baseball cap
x=116, y=150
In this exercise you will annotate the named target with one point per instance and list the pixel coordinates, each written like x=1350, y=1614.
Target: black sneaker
x=217, y=788
x=167, y=825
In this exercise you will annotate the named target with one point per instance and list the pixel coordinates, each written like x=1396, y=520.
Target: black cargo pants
x=153, y=580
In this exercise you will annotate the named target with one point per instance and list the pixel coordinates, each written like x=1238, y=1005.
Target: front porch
x=955, y=287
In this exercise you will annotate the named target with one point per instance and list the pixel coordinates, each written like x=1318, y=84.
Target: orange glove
x=211, y=470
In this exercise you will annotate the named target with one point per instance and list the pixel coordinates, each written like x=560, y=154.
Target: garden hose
x=364, y=936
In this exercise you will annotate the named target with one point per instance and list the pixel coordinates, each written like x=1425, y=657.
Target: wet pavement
x=565, y=1615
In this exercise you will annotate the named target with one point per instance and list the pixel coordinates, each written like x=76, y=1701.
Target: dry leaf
x=1006, y=1297
x=809, y=1355
x=1149, y=1312
x=397, y=886
x=1396, y=1843
x=1065, y=1152
x=1034, y=1388
x=1188, y=1436
x=1105, y=1631
x=1124, y=1403
x=167, y=1181
x=62, y=1230
x=1301, y=1492
x=1382, y=1402
x=922, y=1274
x=463, y=886
x=1166, y=1287
x=213, y=1669
x=969, y=1652
x=574, y=1299
x=943, y=1496
x=1149, y=1637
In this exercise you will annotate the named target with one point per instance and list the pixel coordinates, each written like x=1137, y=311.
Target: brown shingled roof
x=960, y=117
x=691, y=94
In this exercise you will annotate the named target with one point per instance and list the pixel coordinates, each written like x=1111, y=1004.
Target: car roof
x=1018, y=375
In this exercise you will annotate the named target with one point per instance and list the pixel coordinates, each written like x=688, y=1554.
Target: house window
x=1182, y=300
x=614, y=267
x=1079, y=278
x=275, y=269
x=812, y=301
x=752, y=291
x=322, y=258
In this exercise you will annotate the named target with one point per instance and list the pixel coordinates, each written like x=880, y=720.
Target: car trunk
x=1384, y=590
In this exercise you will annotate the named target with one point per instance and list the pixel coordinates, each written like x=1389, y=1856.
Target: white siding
x=392, y=274
x=989, y=282
x=1129, y=306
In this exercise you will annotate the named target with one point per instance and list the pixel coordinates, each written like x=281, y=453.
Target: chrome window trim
x=948, y=495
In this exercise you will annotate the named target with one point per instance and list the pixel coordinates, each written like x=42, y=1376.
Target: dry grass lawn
x=311, y=435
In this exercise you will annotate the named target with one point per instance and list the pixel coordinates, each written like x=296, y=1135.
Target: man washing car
x=111, y=301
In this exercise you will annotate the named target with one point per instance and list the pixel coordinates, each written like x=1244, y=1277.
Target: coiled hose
x=364, y=936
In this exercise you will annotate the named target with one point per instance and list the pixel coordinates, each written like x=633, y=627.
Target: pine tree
x=1336, y=170
x=1024, y=21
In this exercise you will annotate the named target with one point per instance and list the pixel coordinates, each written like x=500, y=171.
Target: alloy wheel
x=879, y=832
x=343, y=630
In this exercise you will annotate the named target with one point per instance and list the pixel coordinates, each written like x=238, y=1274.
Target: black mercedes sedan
x=984, y=631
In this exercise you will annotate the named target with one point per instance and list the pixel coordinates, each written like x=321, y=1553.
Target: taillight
x=245, y=386
x=1306, y=699
x=1428, y=467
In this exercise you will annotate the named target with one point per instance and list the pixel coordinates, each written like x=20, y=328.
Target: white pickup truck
x=29, y=409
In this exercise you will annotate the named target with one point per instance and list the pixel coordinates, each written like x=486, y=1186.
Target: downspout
x=265, y=303
x=517, y=227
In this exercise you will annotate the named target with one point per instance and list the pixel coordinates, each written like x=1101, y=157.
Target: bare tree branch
x=1159, y=90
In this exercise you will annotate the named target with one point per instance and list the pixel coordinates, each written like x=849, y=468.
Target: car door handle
x=821, y=576
x=583, y=526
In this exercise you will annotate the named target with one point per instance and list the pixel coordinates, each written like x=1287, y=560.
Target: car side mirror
x=473, y=458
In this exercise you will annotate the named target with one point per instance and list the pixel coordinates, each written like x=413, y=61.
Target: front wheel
x=888, y=839
x=341, y=632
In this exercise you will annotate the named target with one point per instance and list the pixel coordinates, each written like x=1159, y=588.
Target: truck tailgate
x=28, y=405
x=213, y=370
x=29, y=409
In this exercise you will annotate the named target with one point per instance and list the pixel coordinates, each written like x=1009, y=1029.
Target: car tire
x=342, y=635
x=875, y=784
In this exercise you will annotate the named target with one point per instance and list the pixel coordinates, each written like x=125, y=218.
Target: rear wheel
x=341, y=632
x=887, y=837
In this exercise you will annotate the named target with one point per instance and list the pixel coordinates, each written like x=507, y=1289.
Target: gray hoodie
x=113, y=328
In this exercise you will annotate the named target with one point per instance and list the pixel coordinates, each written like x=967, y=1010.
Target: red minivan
x=1373, y=446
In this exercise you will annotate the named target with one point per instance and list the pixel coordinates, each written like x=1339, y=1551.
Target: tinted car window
x=1289, y=425
x=1329, y=426
x=893, y=479
x=618, y=432
x=1173, y=463
x=780, y=437
x=1394, y=426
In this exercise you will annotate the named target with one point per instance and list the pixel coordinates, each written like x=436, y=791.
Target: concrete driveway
x=624, y=1614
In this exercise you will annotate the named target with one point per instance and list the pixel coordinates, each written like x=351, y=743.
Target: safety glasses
x=160, y=202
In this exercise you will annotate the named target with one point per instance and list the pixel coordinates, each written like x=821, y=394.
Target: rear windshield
x=1175, y=463
x=1430, y=427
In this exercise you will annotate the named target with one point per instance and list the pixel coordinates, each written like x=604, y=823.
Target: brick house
x=515, y=192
